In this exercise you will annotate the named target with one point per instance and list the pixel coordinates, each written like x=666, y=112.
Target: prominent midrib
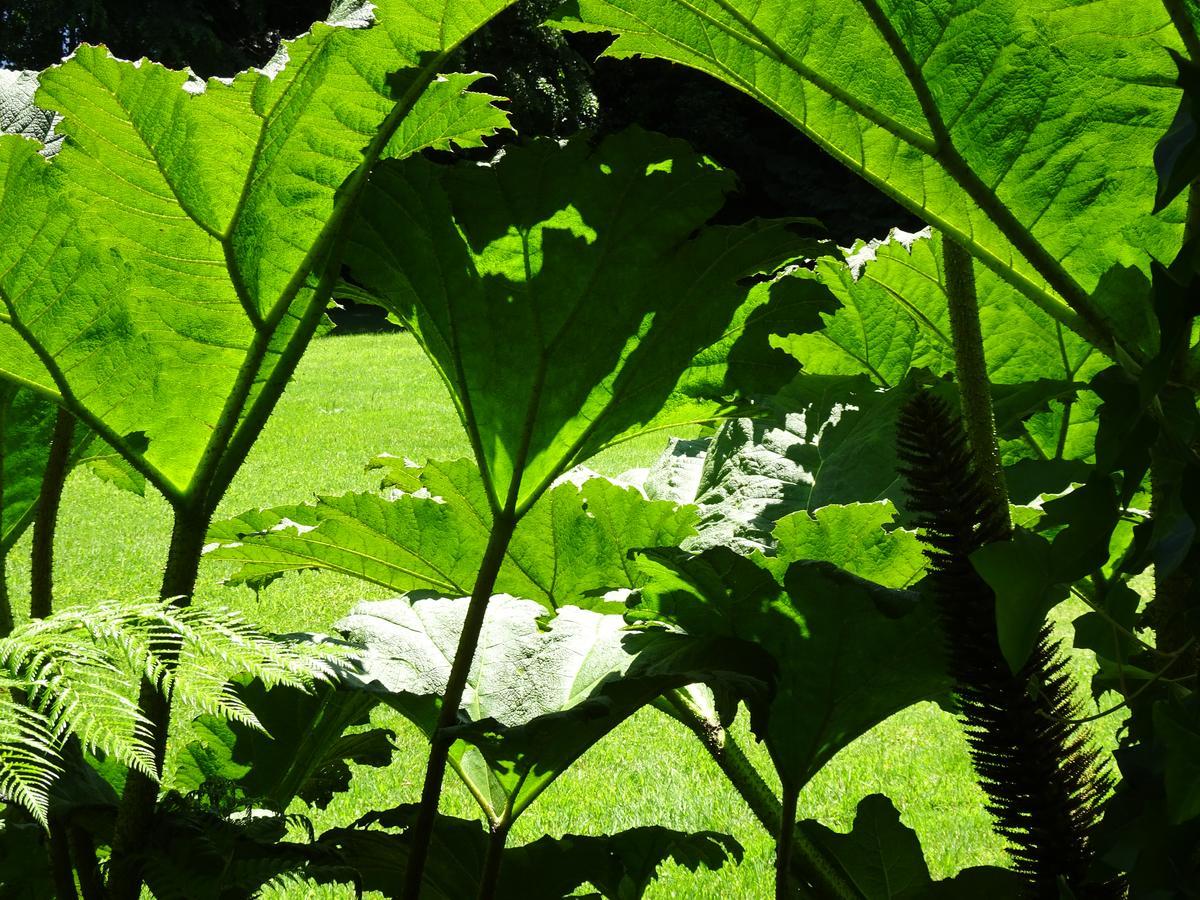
x=903, y=132
x=226, y=431
x=1077, y=314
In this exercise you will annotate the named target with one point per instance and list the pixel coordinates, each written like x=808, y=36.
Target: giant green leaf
x=571, y=296
x=571, y=548
x=26, y=424
x=849, y=652
x=167, y=259
x=619, y=866
x=1024, y=130
x=537, y=695
x=895, y=317
x=20, y=116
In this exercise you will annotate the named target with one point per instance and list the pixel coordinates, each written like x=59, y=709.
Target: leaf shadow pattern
x=572, y=295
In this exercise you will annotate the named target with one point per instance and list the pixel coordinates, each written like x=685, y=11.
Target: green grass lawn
x=354, y=397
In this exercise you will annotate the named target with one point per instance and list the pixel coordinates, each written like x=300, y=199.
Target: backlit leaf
x=570, y=548
x=556, y=289
x=849, y=652
x=895, y=317
x=1024, y=130
x=166, y=258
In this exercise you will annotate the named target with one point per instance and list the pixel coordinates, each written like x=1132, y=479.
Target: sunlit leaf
x=167, y=257
x=538, y=695
x=570, y=548
x=556, y=289
x=1024, y=130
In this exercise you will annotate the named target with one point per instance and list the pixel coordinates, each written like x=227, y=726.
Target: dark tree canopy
x=554, y=85
x=214, y=37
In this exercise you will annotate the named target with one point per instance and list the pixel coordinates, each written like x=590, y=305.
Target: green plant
x=71, y=677
x=575, y=295
x=162, y=291
x=1071, y=189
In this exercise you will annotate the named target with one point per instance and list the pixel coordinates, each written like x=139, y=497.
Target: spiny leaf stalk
x=1044, y=779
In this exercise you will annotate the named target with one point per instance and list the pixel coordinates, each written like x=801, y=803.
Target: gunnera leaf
x=849, y=652
x=538, y=694
x=824, y=440
x=571, y=548
x=1026, y=130
x=557, y=291
x=159, y=267
x=894, y=317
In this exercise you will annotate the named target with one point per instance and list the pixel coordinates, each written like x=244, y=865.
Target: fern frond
x=1044, y=780
x=29, y=757
x=77, y=674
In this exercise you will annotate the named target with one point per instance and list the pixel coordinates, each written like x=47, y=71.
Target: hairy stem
x=809, y=865
x=971, y=369
x=135, y=815
x=1172, y=608
x=41, y=562
x=497, y=838
x=503, y=526
x=1045, y=781
x=61, y=871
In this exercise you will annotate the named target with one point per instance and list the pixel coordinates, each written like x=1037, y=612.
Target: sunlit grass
x=354, y=397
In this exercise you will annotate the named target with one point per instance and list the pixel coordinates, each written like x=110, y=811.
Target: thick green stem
x=971, y=369
x=784, y=841
x=491, y=864
x=41, y=604
x=61, y=871
x=6, y=614
x=41, y=561
x=809, y=866
x=1182, y=21
x=422, y=832
x=135, y=816
x=87, y=867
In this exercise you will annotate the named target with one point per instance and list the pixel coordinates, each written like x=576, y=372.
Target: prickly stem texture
x=1044, y=780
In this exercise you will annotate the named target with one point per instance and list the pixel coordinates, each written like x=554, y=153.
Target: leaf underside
x=159, y=263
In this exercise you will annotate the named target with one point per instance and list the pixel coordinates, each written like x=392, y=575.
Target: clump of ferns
x=1044, y=780
x=76, y=674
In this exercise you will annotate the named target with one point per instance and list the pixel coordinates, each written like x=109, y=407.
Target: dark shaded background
x=556, y=83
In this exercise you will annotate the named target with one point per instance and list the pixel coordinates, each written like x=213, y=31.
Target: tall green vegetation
x=170, y=246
